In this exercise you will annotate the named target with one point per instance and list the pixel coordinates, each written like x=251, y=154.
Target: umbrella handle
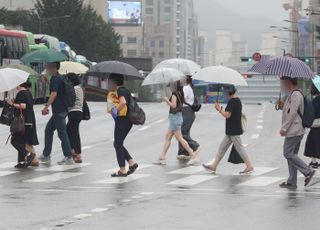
x=277, y=107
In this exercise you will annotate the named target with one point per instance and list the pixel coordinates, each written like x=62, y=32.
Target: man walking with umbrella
x=292, y=129
x=58, y=119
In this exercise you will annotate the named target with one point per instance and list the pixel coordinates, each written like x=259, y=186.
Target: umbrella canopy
x=220, y=75
x=43, y=56
x=284, y=66
x=163, y=76
x=108, y=67
x=11, y=78
x=72, y=67
x=186, y=66
x=316, y=82
x=21, y=67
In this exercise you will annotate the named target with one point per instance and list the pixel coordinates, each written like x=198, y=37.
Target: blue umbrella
x=316, y=82
x=284, y=66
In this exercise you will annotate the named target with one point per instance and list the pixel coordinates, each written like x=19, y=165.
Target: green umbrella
x=21, y=67
x=43, y=56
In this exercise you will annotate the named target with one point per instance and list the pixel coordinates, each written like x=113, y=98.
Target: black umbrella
x=108, y=67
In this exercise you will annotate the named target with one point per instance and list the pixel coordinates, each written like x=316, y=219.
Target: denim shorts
x=175, y=122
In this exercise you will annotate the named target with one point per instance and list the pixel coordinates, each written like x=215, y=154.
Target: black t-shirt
x=57, y=85
x=233, y=124
x=25, y=97
x=123, y=92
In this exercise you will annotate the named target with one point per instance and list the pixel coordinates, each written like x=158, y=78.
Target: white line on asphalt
x=147, y=193
x=142, y=166
x=126, y=201
x=144, y=128
x=258, y=171
x=259, y=127
x=111, y=205
x=54, y=177
x=82, y=216
x=260, y=121
x=192, y=180
x=87, y=147
x=261, y=181
x=6, y=173
x=137, y=197
x=122, y=180
x=98, y=210
x=160, y=121
x=188, y=170
x=62, y=168
x=245, y=145
x=255, y=136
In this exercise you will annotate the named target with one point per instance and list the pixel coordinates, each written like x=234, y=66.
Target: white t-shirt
x=188, y=95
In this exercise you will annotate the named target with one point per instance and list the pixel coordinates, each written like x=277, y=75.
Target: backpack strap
x=299, y=112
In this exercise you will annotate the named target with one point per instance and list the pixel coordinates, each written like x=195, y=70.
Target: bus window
x=20, y=47
x=15, y=48
x=10, y=49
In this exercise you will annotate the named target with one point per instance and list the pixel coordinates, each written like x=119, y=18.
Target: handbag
x=235, y=157
x=86, y=115
x=17, y=127
x=7, y=114
x=196, y=106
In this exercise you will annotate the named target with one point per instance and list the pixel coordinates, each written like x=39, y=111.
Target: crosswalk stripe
x=122, y=180
x=192, y=180
x=188, y=170
x=54, y=177
x=62, y=168
x=6, y=173
x=258, y=171
x=6, y=165
x=261, y=181
x=142, y=166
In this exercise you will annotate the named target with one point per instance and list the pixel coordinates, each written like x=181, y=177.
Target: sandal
x=77, y=158
x=247, y=171
x=309, y=178
x=209, y=169
x=286, y=185
x=29, y=158
x=119, y=174
x=132, y=169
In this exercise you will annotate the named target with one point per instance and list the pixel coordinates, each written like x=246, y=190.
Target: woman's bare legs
x=167, y=144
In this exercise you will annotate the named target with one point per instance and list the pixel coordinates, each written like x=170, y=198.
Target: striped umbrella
x=284, y=66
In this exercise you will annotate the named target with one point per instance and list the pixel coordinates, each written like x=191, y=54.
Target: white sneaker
x=160, y=162
x=193, y=161
x=66, y=161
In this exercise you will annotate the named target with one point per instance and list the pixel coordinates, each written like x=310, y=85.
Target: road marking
x=122, y=180
x=87, y=147
x=245, y=145
x=82, y=216
x=99, y=210
x=260, y=121
x=111, y=205
x=255, y=136
x=188, y=170
x=144, y=128
x=142, y=166
x=192, y=180
x=62, y=168
x=54, y=177
x=261, y=181
x=7, y=165
x=258, y=171
x=147, y=193
x=126, y=201
x=259, y=127
x=6, y=173
x=160, y=121
x=137, y=197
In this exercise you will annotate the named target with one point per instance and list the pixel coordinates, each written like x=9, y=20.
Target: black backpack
x=196, y=106
x=69, y=94
x=135, y=113
x=7, y=114
x=308, y=115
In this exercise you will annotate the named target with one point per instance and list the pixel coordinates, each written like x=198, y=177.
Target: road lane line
x=137, y=197
x=53, y=177
x=192, y=180
x=147, y=193
x=255, y=136
x=260, y=121
x=87, y=147
x=82, y=216
x=122, y=180
x=7, y=173
x=259, y=127
x=144, y=128
x=245, y=145
x=261, y=181
x=188, y=170
x=160, y=121
x=62, y=168
x=99, y=210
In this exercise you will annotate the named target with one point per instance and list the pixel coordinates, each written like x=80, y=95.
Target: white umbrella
x=220, y=75
x=72, y=67
x=186, y=66
x=10, y=78
x=163, y=76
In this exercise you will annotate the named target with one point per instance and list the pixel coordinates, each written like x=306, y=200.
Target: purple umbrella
x=284, y=66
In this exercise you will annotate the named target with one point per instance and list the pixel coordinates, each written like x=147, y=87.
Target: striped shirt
x=79, y=100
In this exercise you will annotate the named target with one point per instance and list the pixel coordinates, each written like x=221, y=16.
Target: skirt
x=175, y=122
x=312, y=148
x=31, y=137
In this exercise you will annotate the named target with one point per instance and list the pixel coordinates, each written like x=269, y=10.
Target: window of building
x=149, y=2
x=167, y=9
x=161, y=54
x=167, y=18
x=149, y=11
x=132, y=40
x=153, y=44
x=161, y=44
x=132, y=53
x=167, y=2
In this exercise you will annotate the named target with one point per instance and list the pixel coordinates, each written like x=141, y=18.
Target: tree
x=85, y=31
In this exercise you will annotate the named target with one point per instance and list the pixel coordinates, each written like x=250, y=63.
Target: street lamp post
x=41, y=20
x=296, y=43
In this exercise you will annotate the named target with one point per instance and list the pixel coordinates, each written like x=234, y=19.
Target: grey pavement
x=157, y=197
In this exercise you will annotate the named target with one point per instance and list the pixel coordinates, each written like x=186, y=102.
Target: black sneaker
x=20, y=165
x=314, y=165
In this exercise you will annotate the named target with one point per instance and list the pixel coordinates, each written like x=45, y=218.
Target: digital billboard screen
x=126, y=13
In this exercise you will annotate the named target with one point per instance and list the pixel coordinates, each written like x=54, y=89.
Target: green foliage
x=85, y=31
